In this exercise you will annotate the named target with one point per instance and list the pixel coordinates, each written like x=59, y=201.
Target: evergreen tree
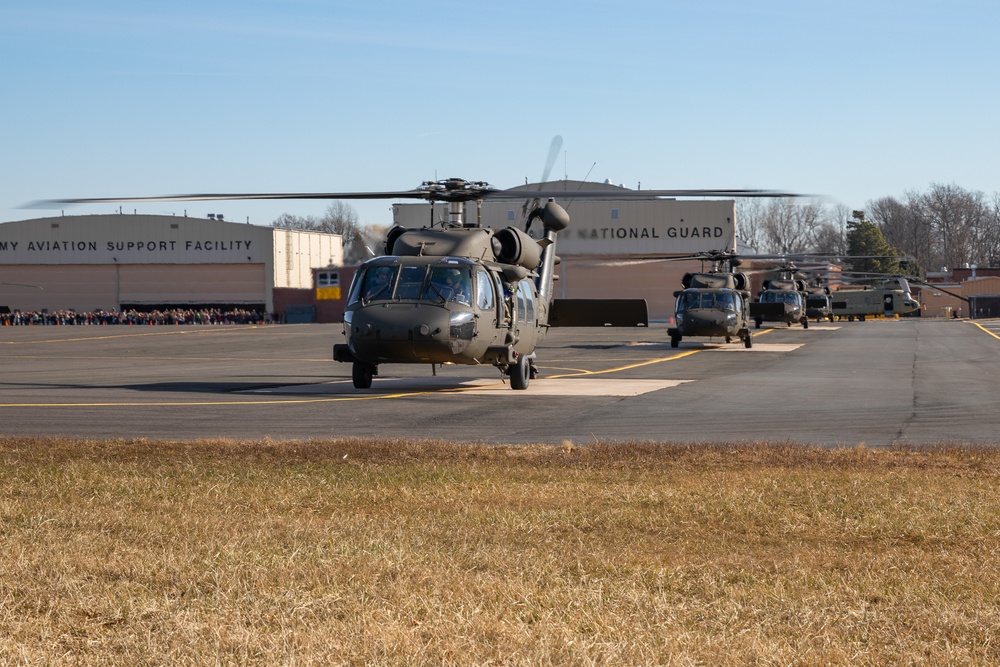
x=867, y=248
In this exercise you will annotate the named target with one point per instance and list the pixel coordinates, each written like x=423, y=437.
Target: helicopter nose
x=408, y=334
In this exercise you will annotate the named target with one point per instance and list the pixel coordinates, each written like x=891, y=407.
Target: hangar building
x=117, y=261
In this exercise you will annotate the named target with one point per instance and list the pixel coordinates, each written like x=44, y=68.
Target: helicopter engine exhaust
x=512, y=246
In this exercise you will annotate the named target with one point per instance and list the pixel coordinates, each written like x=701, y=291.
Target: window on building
x=328, y=279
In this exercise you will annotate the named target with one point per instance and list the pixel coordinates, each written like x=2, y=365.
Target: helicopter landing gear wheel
x=729, y=339
x=362, y=375
x=520, y=373
x=748, y=340
x=757, y=322
x=805, y=322
x=675, y=340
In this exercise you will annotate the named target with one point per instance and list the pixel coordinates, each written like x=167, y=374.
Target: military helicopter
x=459, y=292
x=886, y=295
x=818, y=304
x=782, y=299
x=713, y=302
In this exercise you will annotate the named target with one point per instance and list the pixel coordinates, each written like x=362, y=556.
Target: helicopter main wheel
x=748, y=340
x=805, y=322
x=520, y=373
x=729, y=339
x=757, y=322
x=362, y=375
x=675, y=340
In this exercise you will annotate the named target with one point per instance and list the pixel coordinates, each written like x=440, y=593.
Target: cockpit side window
x=485, y=297
x=724, y=301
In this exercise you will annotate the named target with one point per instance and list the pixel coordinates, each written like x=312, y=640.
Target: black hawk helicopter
x=461, y=292
x=714, y=302
x=818, y=303
x=782, y=299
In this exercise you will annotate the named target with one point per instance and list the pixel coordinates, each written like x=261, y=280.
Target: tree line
x=946, y=226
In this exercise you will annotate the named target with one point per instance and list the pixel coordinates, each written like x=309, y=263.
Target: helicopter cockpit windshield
x=694, y=299
x=781, y=296
x=433, y=283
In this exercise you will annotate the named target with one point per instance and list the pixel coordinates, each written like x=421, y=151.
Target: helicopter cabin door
x=525, y=327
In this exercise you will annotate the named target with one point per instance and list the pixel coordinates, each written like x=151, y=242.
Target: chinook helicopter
x=460, y=292
x=885, y=295
x=713, y=302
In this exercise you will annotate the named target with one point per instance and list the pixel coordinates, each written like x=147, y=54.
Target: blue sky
x=852, y=99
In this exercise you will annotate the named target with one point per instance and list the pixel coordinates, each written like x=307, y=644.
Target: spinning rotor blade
x=419, y=193
x=532, y=203
x=554, y=148
x=448, y=190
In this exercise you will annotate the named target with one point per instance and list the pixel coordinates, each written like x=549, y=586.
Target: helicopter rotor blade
x=531, y=204
x=550, y=161
x=403, y=194
x=451, y=190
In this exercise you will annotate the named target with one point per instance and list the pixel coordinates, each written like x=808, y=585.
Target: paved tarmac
x=877, y=383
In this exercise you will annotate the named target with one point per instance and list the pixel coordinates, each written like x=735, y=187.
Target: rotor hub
x=455, y=190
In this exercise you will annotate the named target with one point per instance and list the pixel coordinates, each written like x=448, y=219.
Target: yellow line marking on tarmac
x=986, y=330
x=136, y=334
x=160, y=404
x=585, y=373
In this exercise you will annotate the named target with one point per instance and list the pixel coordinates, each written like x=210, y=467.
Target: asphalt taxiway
x=877, y=383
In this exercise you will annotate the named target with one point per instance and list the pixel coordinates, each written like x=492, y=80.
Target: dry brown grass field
x=428, y=553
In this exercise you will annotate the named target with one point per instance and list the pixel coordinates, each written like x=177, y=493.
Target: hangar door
x=82, y=287
x=181, y=284
x=87, y=287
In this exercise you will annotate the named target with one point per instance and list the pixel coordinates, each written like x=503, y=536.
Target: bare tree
x=956, y=215
x=907, y=228
x=339, y=218
x=990, y=239
x=749, y=220
x=788, y=225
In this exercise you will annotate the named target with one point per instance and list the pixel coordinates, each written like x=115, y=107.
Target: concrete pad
x=593, y=386
x=760, y=347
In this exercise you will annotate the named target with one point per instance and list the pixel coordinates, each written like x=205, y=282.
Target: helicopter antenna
x=585, y=177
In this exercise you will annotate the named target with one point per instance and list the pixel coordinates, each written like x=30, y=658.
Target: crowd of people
x=173, y=316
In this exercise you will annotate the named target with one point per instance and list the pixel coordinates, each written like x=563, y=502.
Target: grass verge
x=406, y=552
